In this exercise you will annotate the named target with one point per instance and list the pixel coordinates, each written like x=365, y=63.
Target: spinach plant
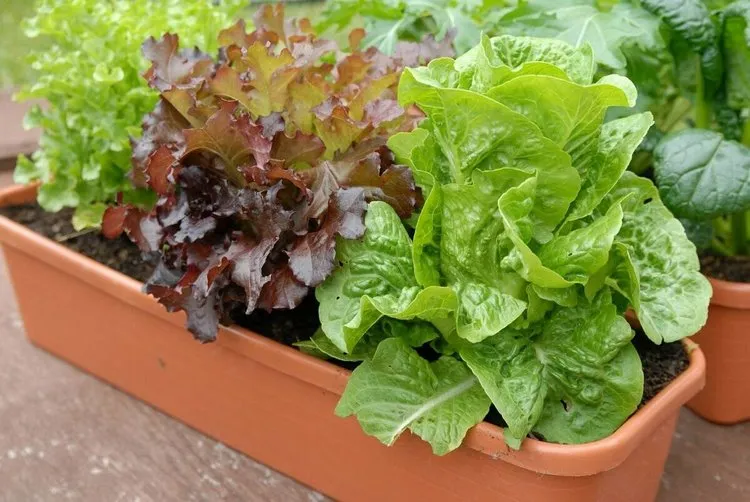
x=90, y=79
x=261, y=159
x=532, y=241
x=703, y=171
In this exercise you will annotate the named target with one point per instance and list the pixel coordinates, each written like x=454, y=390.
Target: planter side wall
x=282, y=421
x=725, y=341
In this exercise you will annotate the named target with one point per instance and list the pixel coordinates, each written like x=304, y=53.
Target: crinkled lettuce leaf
x=531, y=243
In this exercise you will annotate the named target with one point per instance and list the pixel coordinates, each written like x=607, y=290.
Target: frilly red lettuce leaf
x=262, y=159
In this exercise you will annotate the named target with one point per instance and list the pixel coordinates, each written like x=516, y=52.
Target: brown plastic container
x=725, y=341
x=276, y=404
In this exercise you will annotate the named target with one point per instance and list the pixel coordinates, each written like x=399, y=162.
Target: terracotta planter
x=725, y=340
x=276, y=404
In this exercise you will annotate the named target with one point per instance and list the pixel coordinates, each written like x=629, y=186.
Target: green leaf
x=427, y=240
x=700, y=233
x=89, y=70
x=701, y=175
x=484, y=311
x=26, y=171
x=515, y=208
x=618, y=140
x=376, y=279
x=580, y=253
x=691, y=20
x=477, y=132
x=581, y=357
x=472, y=241
x=569, y=114
x=580, y=23
x=500, y=59
x=397, y=389
x=592, y=406
x=736, y=51
x=656, y=266
x=88, y=216
x=414, y=333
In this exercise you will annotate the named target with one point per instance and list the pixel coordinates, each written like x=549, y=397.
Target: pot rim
x=730, y=294
x=485, y=438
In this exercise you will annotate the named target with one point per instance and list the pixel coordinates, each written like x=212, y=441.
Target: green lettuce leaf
x=532, y=236
x=397, y=389
x=575, y=380
x=414, y=333
x=376, y=279
x=656, y=266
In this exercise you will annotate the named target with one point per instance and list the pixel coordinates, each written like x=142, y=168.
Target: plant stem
x=73, y=235
x=739, y=220
x=739, y=233
x=702, y=108
x=720, y=248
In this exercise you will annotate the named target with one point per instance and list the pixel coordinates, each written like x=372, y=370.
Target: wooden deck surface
x=65, y=436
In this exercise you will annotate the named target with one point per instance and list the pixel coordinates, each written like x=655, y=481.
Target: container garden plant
x=702, y=174
x=689, y=62
x=484, y=258
x=84, y=153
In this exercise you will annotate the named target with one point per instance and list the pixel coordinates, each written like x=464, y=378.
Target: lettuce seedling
x=261, y=159
x=532, y=241
x=90, y=79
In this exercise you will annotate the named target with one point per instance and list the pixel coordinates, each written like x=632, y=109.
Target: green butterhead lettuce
x=530, y=235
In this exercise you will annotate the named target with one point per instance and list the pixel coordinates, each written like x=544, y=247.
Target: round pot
x=725, y=341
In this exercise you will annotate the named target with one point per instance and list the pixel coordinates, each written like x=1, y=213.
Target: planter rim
x=534, y=455
x=735, y=295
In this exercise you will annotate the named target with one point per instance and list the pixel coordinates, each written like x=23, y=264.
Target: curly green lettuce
x=531, y=239
x=89, y=71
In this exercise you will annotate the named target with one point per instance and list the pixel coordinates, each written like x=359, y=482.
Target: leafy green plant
x=689, y=60
x=532, y=241
x=261, y=159
x=703, y=172
x=389, y=22
x=90, y=80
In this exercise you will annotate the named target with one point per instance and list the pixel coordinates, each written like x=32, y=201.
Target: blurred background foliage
x=14, y=69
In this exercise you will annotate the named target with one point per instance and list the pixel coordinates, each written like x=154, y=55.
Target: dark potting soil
x=119, y=254
x=661, y=363
x=726, y=268
x=284, y=326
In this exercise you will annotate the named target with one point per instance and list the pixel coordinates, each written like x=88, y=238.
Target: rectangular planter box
x=276, y=404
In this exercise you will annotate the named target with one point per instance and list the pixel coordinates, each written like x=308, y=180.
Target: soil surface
x=726, y=268
x=119, y=254
x=661, y=363
x=284, y=326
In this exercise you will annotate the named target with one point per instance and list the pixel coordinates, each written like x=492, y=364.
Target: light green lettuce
x=530, y=234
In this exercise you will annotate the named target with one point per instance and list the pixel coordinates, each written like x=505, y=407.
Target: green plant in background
x=90, y=78
x=703, y=172
x=388, y=22
x=689, y=59
x=532, y=242
x=14, y=70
